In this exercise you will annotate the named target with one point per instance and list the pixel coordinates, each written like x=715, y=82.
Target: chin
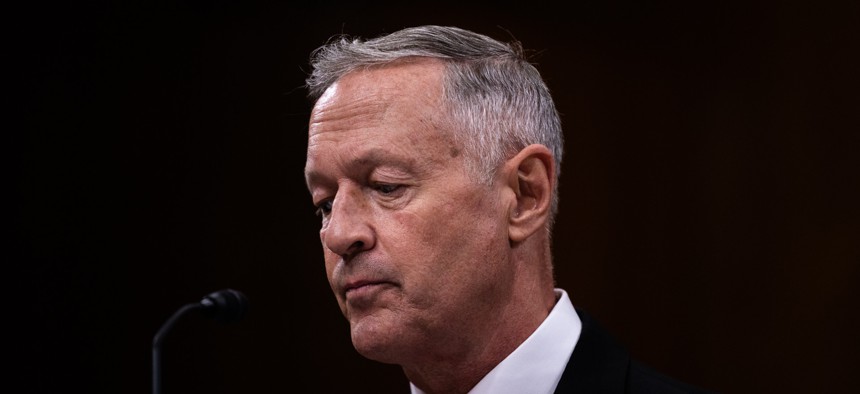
x=374, y=342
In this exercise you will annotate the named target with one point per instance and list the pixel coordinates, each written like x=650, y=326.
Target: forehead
x=412, y=85
x=395, y=108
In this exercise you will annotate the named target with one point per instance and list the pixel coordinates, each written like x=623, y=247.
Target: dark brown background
x=709, y=213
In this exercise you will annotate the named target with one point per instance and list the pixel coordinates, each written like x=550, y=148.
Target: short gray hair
x=493, y=93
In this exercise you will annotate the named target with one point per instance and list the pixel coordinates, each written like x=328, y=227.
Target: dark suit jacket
x=600, y=365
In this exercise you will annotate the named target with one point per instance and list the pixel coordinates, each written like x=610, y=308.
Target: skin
x=433, y=271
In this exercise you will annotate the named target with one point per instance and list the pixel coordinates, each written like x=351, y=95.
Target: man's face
x=415, y=251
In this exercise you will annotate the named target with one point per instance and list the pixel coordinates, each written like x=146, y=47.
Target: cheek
x=452, y=238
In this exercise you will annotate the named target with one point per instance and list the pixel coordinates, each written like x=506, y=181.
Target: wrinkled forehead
x=398, y=95
x=398, y=106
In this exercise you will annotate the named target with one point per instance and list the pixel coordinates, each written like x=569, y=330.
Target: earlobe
x=531, y=177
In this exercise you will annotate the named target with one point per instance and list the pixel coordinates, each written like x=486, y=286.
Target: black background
x=709, y=213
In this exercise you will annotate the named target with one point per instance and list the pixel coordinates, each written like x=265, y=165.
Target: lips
x=364, y=291
x=362, y=279
x=361, y=284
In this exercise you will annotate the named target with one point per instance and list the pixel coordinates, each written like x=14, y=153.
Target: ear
x=530, y=175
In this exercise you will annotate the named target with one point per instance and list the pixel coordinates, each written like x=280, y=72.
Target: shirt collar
x=537, y=364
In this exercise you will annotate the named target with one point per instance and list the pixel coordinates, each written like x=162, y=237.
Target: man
x=433, y=160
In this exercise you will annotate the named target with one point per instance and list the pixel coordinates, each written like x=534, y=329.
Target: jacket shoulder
x=599, y=364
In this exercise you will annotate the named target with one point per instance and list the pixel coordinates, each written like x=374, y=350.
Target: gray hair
x=493, y=93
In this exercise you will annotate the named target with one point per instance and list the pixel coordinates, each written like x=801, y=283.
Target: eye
x=324, y=208
x=387, y=189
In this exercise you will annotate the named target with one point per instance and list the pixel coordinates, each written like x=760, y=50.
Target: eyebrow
x=373, y=157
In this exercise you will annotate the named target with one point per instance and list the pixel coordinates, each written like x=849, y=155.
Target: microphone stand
x=226, y=305
x=159, y=338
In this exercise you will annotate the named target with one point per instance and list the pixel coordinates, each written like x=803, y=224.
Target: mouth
x=364, y=288
x=361, y=284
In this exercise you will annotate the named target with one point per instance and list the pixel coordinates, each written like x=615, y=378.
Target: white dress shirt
x=535, y=366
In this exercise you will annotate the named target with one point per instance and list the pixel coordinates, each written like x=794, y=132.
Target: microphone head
x=225, y=305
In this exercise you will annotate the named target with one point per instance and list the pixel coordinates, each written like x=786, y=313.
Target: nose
x=349, y=230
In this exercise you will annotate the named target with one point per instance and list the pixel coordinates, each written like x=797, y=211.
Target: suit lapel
x=598, y=363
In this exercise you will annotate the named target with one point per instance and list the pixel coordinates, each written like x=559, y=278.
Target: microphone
x=225, y=306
